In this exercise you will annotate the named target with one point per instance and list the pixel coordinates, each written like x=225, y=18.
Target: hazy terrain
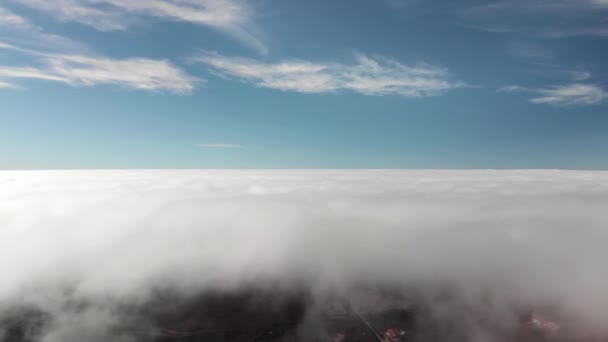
x=87, y=249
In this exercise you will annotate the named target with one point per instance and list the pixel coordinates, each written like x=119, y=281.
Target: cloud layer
x=108, y=239
x=369, y=75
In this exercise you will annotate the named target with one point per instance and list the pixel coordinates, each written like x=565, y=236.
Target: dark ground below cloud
x=264, y=315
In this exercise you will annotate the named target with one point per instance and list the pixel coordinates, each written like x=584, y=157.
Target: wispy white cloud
x=220, y=145
x=545, y=62
x=571, y=94
x=6, y=85
x=601, y=3
x=564, y=95
x=7, y=46
x=579, y=75
x=20, y=30
x=81, y=70
x=531, y=51
x=8, y=18
x=368, y=75
x=113, y=14
x=560, y=18
x=231, y=16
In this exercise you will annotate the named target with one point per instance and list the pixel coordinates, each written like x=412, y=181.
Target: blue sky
x=303, y=84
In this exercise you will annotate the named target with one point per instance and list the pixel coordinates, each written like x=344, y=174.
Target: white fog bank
x=117, y=237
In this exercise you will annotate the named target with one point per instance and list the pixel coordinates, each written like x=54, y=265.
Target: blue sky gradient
x=303, y=84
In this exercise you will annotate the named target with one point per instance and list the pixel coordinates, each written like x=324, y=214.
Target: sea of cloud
x=81, y=245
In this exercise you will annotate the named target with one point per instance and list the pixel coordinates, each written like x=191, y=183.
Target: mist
x=90, y=255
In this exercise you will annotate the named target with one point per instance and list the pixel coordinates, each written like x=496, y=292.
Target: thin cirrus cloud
x=6, y=85
x=558, y=18
x=20, y=30
x=375, y=75
x=82, y=70
x=233, y=17
x=10, y=19
x=580, y=75
x=564, y=95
